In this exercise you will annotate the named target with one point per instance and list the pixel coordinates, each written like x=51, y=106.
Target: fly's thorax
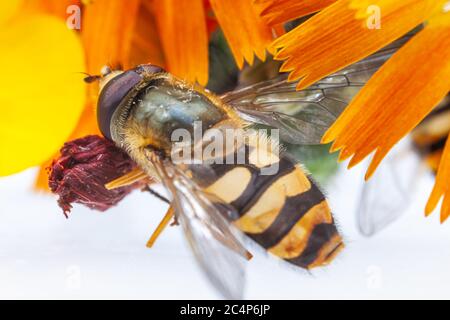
x=159, y=109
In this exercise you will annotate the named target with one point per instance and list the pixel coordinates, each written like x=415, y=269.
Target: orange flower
x=399, y=95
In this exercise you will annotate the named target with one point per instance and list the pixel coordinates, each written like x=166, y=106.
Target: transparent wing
x=215, y=243
x=304, y=116
x=387, y=195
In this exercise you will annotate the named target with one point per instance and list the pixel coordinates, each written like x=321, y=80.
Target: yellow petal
x=335, y=38
x=396, y=99
x=280, y=11
x=57, y=8
x=42, y=93
x=246, y=32
x=8, y=9
x=183, y=33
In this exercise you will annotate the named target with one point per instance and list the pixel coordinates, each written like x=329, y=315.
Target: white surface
x=103, y=255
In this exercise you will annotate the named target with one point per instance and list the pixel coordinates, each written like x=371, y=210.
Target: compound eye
x=116, y=89
x=112, y=95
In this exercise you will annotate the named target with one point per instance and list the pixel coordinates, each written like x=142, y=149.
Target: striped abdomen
x=284, y=212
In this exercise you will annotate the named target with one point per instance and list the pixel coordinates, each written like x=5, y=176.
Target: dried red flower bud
x=85, y=165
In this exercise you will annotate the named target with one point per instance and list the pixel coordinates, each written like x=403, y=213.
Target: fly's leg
x=162, y=225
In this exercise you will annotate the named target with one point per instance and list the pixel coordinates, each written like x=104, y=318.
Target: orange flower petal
x=183, y=32
x=334, y=38
x=396, y=99
x=280, y=11
x=442, y=186
x=246, y=32
x=107, y=31
x=145, y=43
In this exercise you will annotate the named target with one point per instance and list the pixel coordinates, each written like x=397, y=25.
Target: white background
x=103, y=255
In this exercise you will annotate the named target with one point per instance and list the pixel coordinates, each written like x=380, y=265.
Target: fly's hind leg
x=162, y=225
x=136, y=175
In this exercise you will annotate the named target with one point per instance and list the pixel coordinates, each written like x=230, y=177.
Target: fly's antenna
x=90, y=78
x=104, y=72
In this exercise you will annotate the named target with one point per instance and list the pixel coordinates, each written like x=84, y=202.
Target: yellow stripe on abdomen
x=262, y=214
x=293, y=244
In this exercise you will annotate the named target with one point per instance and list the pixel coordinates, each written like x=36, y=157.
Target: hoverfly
x=219, y=204
x=402, y=168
